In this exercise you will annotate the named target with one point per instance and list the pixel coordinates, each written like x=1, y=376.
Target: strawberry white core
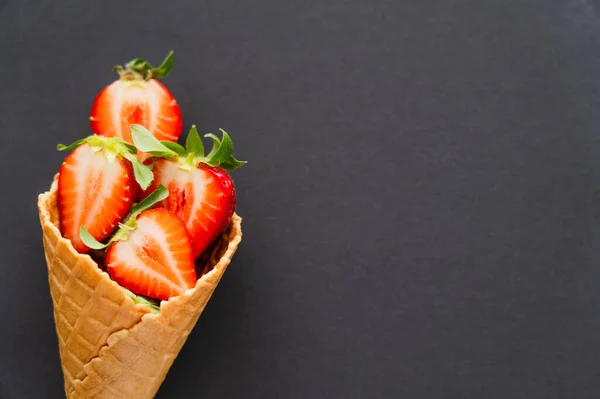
x=139, y=102
x=95, y=176
x=194, y=182
x=149, y=234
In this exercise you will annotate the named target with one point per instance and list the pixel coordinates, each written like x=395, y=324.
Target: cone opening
x=204, y=264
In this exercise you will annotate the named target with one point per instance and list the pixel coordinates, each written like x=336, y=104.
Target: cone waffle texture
x=109, y=346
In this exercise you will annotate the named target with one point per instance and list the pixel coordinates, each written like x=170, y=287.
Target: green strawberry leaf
x=216, y=144
x=138, y=299
x=114, y=147
x=142, y=173
x=129, y=147
x=146, y=142
x=125, y=229
x=89, y=240
x=139, y=68
x=71, y=147
x=232, y=164
x=164, y=68
x=143, y=301
x=154, y=198
x=193, y=143
x=223, y=152
x=174, y=147
x=138, y=64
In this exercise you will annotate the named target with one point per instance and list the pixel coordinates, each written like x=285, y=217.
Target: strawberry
x=97, y=187
x=137, y=97
x=201, y=192
x=151, y=254
x=204, y=197
x=156, y=259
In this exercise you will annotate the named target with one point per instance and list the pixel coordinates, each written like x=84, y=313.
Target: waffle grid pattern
x=110, y=347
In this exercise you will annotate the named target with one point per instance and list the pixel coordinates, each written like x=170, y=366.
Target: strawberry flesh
x=94, y=191
x=147, y=103
x=156, y=259
x=204, y=198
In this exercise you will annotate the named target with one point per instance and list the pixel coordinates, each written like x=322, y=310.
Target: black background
x=421, y=206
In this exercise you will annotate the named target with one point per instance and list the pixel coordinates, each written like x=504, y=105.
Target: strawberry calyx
x=138, y=299
x=125, y=229
x=111, y=148
x=110, y=145
x=140, y=69
x=188, y=158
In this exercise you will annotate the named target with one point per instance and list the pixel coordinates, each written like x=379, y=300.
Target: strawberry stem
x=124, y=231
x=140, y=69
x=189, y=162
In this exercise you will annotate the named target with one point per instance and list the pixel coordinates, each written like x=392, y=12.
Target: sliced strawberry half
x=97, y=187
x=137, y=97
x=147, y=103
x=201, y=192
x=155, y=259
x=204, y=198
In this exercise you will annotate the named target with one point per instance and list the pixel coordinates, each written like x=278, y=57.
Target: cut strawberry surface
x=147, y=103
x=151, y=253
x=93, y=191
x=156, y=259
x=204, y=198
x=201, y=193
x=97, y=187
x=137, y=97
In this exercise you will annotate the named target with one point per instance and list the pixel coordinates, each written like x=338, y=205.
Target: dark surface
x=421, y=207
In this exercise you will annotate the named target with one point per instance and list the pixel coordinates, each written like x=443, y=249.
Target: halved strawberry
x=201, y=193
x=137, y=97
x=151, y=253
x=204, y=198
x=155, y=259
x=97, y=187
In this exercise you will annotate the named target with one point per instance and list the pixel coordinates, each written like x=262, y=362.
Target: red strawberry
x=137, y=97
x=204, y=198
x=155, y=258
x=201, y=193
x=96, y=188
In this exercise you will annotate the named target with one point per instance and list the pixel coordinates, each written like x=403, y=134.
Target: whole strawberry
x=97, y=186
x=137, y=97
x=201, y=192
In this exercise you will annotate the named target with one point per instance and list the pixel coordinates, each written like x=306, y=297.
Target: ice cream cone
x=109, y=346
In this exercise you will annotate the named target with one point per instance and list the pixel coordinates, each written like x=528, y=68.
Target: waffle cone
x=109, y=346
